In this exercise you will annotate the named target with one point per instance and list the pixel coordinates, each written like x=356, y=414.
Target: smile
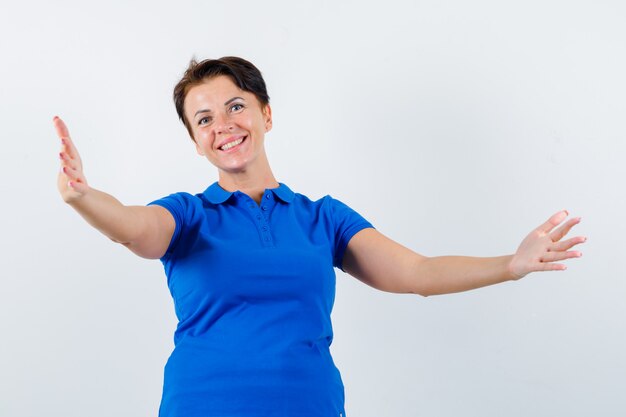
x=232, y=144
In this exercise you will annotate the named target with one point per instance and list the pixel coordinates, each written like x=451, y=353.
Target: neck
x=248, y=183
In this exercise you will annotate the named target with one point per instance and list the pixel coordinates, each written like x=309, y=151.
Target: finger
x=78, y=186
x=563, y=230
x=560, y=256
x=67, y=161
x=73, y=174
x=68, y=146
x=60, y=127
x=553, y=221
x=551, y=267
x=66, y=140
x=567, y=244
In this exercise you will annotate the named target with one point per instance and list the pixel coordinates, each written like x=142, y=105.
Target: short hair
x=243, y=73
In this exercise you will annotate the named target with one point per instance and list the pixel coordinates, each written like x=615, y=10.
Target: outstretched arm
x=388, y=266
x=146, y=231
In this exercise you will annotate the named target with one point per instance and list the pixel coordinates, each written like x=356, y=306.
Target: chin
x=234, y=169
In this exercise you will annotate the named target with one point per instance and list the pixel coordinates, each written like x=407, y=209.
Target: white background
x=454, y=127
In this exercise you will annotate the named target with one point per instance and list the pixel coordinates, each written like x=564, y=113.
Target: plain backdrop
x=454, y=127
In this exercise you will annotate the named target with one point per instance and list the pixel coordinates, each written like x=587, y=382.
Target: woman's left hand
x=543, y=247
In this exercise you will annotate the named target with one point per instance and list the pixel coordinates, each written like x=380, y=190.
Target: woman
x=250, y=263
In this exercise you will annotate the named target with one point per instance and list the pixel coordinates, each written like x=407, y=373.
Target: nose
x=222, y=124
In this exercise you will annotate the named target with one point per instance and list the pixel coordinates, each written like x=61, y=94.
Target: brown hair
x=243, y=73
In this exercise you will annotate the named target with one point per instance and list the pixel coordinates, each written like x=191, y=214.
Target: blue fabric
x=253, y=288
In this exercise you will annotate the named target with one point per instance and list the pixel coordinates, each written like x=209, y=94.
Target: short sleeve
x=347, y=223
x=181, y=208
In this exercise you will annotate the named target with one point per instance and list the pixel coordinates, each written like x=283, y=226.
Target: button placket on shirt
x=261, y=214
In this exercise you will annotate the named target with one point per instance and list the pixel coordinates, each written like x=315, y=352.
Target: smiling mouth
x=232, y=144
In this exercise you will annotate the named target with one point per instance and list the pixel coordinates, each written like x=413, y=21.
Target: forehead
x=212, y=91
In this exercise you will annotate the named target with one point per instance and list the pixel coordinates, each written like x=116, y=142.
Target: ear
x=267, y=115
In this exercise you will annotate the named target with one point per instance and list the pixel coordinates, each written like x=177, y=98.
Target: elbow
x=120, y=241
x=421, y=292
x=419, y=284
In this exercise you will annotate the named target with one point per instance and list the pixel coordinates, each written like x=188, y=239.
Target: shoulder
x=186, y=198
x=313, y=208
x=326, y=201
x=186, y=208
x=181, y=196
x=335, y=211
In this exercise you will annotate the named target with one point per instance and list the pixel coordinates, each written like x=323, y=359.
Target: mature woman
x=250, y=263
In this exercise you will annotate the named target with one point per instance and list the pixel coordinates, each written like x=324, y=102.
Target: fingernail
x=566, y=212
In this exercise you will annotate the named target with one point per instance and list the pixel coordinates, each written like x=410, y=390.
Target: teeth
x=231, y=144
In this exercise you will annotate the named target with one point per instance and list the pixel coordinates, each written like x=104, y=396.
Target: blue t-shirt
x=253, y=288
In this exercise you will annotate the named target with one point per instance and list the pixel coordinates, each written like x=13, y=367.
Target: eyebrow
x=225, y=104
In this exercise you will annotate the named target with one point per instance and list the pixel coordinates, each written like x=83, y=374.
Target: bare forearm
x=450, y=274
x=388, y=266
x=104, y=212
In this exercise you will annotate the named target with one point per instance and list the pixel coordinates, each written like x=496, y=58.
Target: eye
x=204, y=120
x=236, y=107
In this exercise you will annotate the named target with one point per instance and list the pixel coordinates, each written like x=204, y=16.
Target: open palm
x=542, y=248
x=71, y=182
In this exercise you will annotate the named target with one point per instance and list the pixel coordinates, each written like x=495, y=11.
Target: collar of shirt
x=217, y=195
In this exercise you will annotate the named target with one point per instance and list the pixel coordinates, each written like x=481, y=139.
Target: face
x=228, y=124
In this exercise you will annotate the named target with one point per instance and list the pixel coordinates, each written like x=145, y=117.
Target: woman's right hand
x=72, y=183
